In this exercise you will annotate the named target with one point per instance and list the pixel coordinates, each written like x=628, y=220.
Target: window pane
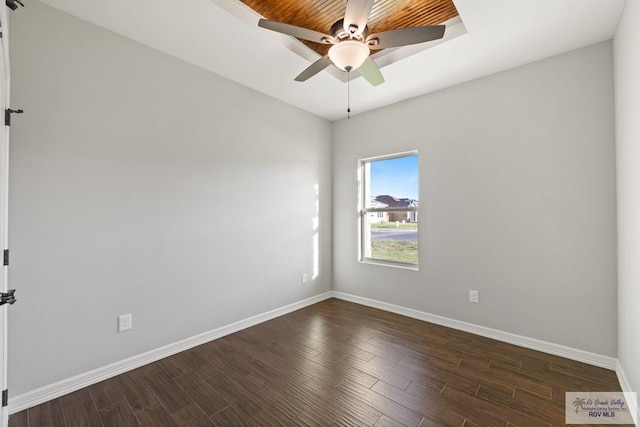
x=390, y=234
x=394, y=178
x=392, y=237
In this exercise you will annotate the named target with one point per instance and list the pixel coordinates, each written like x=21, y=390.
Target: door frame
x=4, y=195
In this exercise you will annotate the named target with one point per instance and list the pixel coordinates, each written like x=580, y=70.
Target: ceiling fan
x=352, y=43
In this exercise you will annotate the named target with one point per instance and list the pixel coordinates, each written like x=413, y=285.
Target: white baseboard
x=626, y=388
x=60, y=388
x=532, y=343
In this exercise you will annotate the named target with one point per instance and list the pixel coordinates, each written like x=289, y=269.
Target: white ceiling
x=222, y=36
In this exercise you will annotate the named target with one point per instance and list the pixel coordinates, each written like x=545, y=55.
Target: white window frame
x=364, y=195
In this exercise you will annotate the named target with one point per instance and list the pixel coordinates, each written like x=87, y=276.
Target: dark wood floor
x=334, y=363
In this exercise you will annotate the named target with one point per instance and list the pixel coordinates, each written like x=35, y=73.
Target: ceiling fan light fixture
x=349, y=54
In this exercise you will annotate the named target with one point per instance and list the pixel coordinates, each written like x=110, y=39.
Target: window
x=389, y=210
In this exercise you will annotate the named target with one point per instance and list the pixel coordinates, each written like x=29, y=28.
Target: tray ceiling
x=223, y=36
x=319, y=15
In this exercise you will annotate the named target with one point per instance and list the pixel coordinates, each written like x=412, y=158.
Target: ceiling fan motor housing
x=339, y=33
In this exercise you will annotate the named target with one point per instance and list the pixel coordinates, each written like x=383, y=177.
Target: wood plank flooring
x=334, y=364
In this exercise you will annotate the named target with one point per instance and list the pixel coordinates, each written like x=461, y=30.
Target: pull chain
x=348, y=94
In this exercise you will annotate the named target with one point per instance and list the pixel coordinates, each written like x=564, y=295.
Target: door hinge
x=6, y=257
x=8, y=297
x=5, y=397
x=7, y=115
x=11, y=4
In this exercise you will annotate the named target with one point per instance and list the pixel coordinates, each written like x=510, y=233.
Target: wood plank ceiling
x=319, y=15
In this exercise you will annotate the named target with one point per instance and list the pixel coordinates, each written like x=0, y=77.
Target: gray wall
x=517, y=197
x=627, y=85
x=141, y=184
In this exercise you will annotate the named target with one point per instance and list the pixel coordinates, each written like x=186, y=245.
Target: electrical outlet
x=305, y=278
x=125, y=322
x=474, y=296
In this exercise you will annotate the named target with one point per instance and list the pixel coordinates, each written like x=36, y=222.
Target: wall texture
x=517, y=193
x=627, y=94
x=141, y=184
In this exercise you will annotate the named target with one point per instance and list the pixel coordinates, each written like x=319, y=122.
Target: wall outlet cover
x=125, y=322
x=474, y=296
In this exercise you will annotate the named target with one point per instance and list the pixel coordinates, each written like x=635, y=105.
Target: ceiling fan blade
x=370, y=71
x=298, y=32
x=405, y=36
x=314, y=69
x=357, y=15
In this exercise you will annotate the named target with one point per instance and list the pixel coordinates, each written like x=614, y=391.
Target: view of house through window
x=389, y=214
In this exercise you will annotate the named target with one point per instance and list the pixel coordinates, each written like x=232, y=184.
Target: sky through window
x=395, y=177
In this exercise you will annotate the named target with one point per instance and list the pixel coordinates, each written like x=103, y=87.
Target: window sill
x=383, y=263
